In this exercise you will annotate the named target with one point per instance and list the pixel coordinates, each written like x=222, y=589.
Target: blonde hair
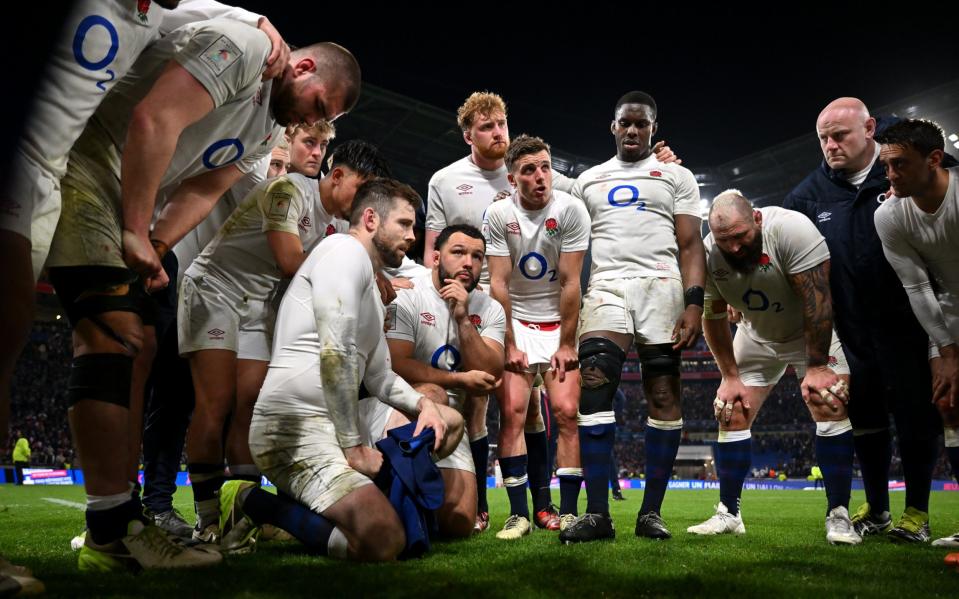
x=485, y=103
x=321, y=129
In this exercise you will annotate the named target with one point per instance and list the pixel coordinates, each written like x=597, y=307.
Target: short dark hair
x=468, y=230
x=636, y=97
x=922, y=135
x=521, y=146
x=381, y=194
x=336, y=67
x=362, y=157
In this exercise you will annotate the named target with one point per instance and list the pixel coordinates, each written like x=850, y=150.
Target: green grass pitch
x=783, y=554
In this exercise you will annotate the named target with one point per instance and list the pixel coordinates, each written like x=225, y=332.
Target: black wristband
x=695, y=296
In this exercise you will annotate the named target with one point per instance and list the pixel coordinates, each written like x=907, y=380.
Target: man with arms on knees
x=226, y=314
x=645, y=287
x=888, y=364
x=444, y=332
x=919, y=229
x=536, y=242
x=772, y=265
x=306, y=435
x=106, y=215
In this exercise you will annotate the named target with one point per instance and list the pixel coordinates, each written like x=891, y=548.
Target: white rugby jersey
x=772, y=312
x=632, y=206
x=923, y=248
x=533, y=240
x=421, y=316
x=240, y=254
x=331, y=318
x=226, y=58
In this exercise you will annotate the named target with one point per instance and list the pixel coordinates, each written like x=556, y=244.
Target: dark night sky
x=728, y=82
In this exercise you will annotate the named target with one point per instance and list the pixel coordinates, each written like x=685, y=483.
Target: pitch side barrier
x=54, y=476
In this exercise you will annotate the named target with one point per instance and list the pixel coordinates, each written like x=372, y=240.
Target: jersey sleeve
x=385, y=384
x=337, y=287
x=281, y=205
x=562, y=182
x=495, y=328
x=435, y=214
x=686, y=193
x=402, y=317
x=495, y=229
x=576, y=231
x=711, y=290
x=801, y=245
x=191, y=11
x=224, y=57
x=259, y=159
x=912, y=272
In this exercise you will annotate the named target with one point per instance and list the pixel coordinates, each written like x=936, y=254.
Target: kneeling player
x=537, y=239
x=444, y=333
x=773, y=266
x=305, y=435
x=226, y=314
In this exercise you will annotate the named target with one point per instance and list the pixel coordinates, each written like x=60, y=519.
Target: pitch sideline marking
x=74, y=504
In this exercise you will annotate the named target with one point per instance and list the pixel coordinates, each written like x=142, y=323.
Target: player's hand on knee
x=731, y=391
x=688, y=327
x=364, y=460
x=478, y=381
x=945, y=377
x=564, y=359
x=821, y=382
x=516, y=360
x=665, y=154
x=733, y=314
x=430, y=417
x=139, y=255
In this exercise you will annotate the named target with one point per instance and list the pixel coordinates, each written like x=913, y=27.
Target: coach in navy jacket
x=883, y=342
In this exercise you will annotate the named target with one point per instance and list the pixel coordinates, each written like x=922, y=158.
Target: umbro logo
x=513, y=228
x=603, y=176
x=305, y=222
x=216, y=334
x=464, y=189
x=824, y=216
x=428, y=319
x=721, y=274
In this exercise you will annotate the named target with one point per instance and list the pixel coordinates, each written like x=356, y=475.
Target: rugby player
x=772, y=265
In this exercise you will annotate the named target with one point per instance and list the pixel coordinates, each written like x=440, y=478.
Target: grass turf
x=783, y=553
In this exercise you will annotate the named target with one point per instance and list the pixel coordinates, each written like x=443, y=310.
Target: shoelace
x=158, y=542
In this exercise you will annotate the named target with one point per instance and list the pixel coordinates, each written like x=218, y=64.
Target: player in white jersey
x=225, y=312
x=101, y=41
x=919, y=229
x=279, y=160
x=645, y=287
x=772, y=265
x=306, y=434
x=460, y=193
x=536, y=240
x=445, y=332
x=215, y=89
x=308, y=145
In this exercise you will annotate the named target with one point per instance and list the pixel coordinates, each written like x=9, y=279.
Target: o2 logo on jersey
x=624, y=196
x=449, y=355
x=223, y=152
x=533, y=266
x=758, y=301
x=95, y=63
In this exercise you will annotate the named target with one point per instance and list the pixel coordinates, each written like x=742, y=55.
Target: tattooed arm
x=812, y=287
x=819, y=383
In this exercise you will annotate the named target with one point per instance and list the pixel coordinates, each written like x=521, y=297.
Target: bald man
x=882, y=340
x=772, y=265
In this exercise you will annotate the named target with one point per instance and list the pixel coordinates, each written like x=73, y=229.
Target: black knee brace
x=607, y=357
x=101, y=377
x=659, y=360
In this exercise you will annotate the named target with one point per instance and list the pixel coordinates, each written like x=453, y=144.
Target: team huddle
x=181, y=216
